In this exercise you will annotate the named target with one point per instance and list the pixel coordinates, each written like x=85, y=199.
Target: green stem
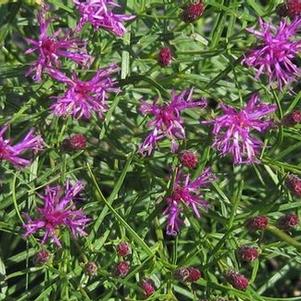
x=283, y=236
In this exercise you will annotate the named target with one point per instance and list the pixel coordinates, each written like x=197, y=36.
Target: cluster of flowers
x=233, y=130
x=82, y=98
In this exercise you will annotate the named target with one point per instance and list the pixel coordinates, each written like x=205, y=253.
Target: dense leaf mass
x=150, y=149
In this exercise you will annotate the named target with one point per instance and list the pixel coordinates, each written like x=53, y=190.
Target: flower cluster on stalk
x=186, y=192
x=166, y=120
x=59, y=211
x=236, y=132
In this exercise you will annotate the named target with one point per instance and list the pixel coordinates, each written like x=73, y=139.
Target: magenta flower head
x=58, y=212
x=12, y=153
x=186, y=191
x=275, y=54
x=167, y=121
x=232, y=130
x=83, y=98
x=99, y=13
x=50, y=48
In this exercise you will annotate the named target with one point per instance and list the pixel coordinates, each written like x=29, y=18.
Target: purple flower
x=12, y=153
x=100, y=13
x=274, y=57
x=167, y=121
x=58, y=211
x=51, y=47
x=232, y=130
x=186, y=191
x=82, y=98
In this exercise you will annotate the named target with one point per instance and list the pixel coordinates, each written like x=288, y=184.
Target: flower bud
x=293, y=8
x=187, y=274
x=91, y=268
x=148, y=287
x=42, y=257
x=122, y=269
x=257, y=223
x=193, y=11
x=165, y=56
x=123, y=249
x=293, y=118
x=189, y=159
x=75, y=142
x=248, y=254
x=294, y=184
x=237, y=280
x=288, y=221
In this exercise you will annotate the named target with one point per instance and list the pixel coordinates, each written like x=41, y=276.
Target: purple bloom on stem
x=100, y=13
x=186, y=191
x=167, y=121
x=82, y=98
x=12, y=153
x=274, y=56
x=58, y=211
x=232, y=130
x=174, y=221
x=51, y=47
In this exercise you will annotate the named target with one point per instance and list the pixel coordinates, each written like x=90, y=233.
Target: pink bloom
x=100, y=13
x=186, y=191
x=51, y=47
x=83, y=98
x=275, y=54
x=12, y=153
x=59, y=211
x=232, y=130
x=167, y=121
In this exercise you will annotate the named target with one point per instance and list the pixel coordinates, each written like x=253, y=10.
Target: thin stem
x=283, y=236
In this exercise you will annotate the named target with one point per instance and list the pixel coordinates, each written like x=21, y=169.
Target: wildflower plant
x=150, y=150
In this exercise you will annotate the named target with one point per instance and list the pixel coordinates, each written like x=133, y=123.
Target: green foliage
x=125, y=193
